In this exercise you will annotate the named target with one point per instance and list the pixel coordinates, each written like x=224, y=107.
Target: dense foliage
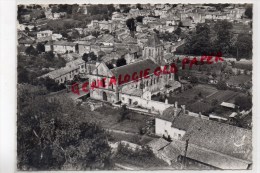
x=51, y=134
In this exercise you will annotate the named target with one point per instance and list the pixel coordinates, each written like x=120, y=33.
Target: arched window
x=147, y=83
x=149, y=52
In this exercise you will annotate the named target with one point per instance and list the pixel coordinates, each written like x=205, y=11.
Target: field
x=221, y=96
x=240, y=79
x=109, y=117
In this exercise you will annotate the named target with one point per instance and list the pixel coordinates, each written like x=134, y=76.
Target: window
x=149, y=52
x=147, y=83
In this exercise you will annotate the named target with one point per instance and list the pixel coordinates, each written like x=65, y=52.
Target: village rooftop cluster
x=169, y=83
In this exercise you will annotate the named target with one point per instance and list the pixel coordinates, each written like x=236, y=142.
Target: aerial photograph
x=134, y=87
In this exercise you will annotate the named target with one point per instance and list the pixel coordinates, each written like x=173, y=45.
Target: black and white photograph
x=130, y=87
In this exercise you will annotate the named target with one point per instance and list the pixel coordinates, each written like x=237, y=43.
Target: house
x=171, y=22
x=106, y=40
x=84, y=47
x=56, y=36
x=155, y=25
x=26, y=17
x=59, y=15
x=68, y=72
x=134, y=12
x=42, y=34
x=26, y=41
x=22, y=27
x=61, y=46
x=141, y=27
x=103, y=25
x=228, y=105
x=207, y=143
x=146, y=20
x=116, y=16
x=169, y=29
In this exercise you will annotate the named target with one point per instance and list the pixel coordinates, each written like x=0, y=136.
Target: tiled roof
x=173, y=150
x=64, y=43
x=135, y=67
x=132, y=91
x=182, y=121
x=168, y=113
x=220, y=137
x=106, y=38
x=157, y=144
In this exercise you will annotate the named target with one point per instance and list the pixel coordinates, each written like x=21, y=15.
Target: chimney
x=176, y=104
x=200, y=115
x=183, y=108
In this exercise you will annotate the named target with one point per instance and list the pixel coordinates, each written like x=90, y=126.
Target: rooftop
x=135, y=67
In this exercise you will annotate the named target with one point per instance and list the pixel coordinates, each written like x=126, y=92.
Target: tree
x=49, y=56
x=199, y=42
x=223, y=32
x=23, y=75
x=124, y=113
x=31, y=51
x=120, y=62
x=131, y=24
x=48, y=138
x=124, y=8
x=92, y=56
x=194, y=79
x=243, y=46
x=214, y=102
x=248, y=12
x=244, y=102
x=50, y=84
x=178, y=31
x=221, y=85
x=26, y=29
x=40, y=48
x=110, y=66
x=85, y=57
x=139, y=19
x=139, y=6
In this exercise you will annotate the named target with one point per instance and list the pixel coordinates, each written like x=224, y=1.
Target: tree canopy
x=52, y=135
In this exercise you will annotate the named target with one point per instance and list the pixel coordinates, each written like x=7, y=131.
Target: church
x=134, y=92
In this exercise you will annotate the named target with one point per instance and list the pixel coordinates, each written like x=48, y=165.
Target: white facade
x=43, y=34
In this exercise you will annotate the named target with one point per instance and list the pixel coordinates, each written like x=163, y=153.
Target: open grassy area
x=221, y=96
x=109, y=117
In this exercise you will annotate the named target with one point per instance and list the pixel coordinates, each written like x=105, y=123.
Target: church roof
x=135, y=67
x=153, y=41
